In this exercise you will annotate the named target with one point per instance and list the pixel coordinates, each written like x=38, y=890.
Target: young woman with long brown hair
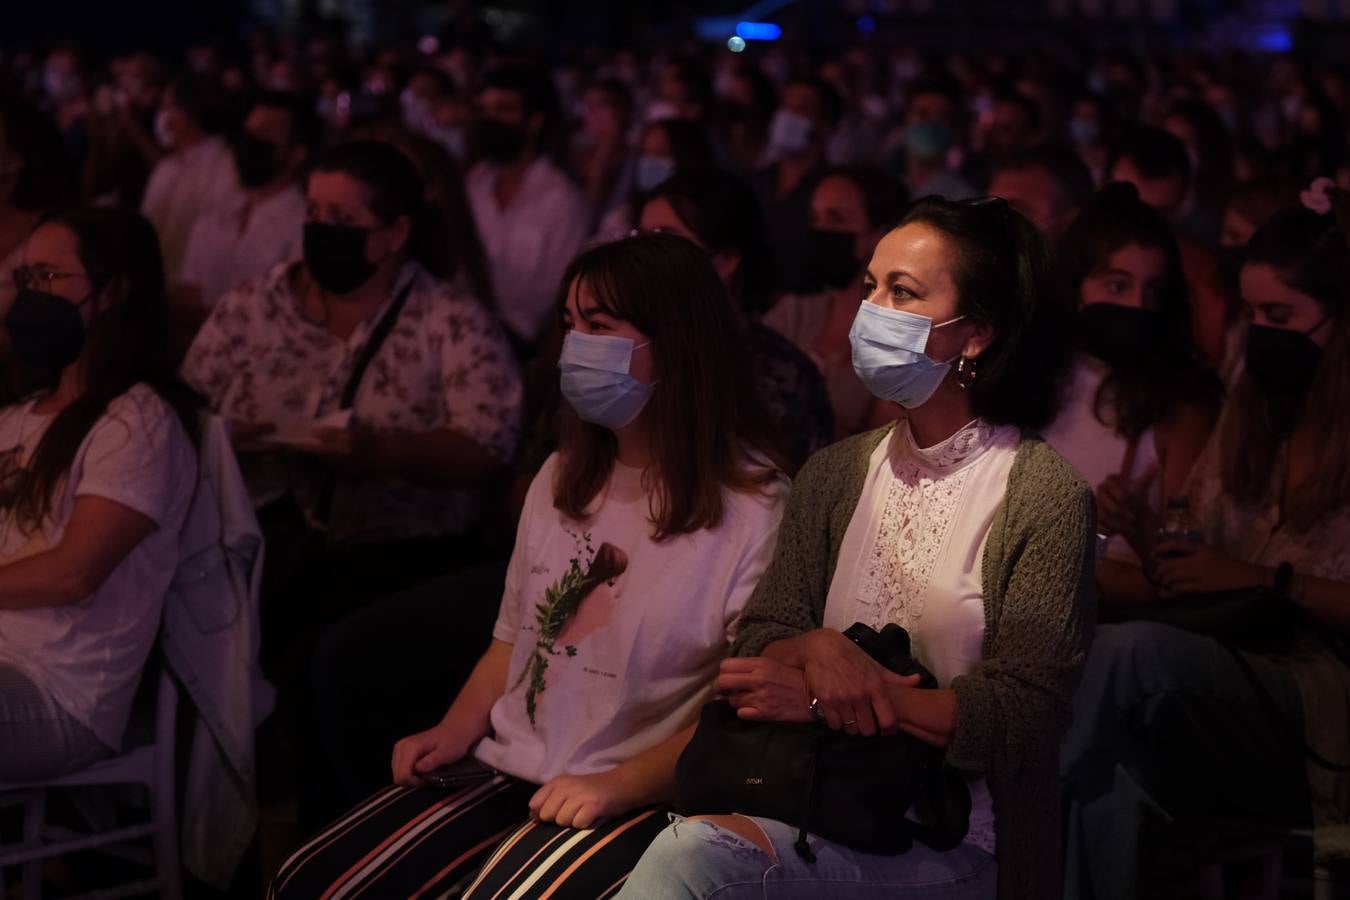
x=639, y=542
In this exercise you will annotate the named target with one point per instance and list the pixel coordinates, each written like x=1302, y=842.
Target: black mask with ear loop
x=336, y=256
x=46, y=330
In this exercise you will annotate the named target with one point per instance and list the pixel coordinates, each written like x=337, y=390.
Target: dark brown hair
x=703, y=423
x=1002, y=274
x=127, y=344
x=1308, y=252
x=1173, y=373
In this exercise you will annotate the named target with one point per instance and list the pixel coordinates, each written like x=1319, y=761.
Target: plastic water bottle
x=1178, y=525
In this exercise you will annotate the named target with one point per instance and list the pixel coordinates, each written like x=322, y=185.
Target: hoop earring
x=965, y=372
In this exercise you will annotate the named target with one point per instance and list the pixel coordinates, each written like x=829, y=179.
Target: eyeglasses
x=30, y=277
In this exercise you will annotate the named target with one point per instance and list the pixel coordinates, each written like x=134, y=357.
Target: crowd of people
x=569, y=398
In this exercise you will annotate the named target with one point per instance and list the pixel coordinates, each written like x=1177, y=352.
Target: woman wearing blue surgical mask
x=666, y=148
x=639, y=543
x=952, y=523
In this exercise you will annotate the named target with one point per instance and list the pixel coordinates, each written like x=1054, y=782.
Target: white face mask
x=790, y=133
x=889, y=357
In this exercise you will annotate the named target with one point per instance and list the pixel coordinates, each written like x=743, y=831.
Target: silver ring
x=816, y=712
x=851, y=722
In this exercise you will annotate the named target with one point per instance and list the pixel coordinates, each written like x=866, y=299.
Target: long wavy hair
x=1308, y=252
x=1138, y=397
x=704, y=426
x=127, y=343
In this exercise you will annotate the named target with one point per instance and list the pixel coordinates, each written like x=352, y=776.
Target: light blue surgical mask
x=596, y=380
x=789, y=134
x=652, y=170
x=888, y=355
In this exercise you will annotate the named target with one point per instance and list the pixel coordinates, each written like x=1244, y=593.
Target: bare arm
x=100, y=535
x=466, y=722
x=929, y=715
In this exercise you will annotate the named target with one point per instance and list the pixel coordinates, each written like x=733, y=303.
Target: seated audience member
x=96, y=473
x=1249, y=206
x=952, y=524
x=599, y=151
x=531, y=217
x=233, y=244
x=668, y=147
x=386, y=464
x=799, y=136
x=851, y=208
x=1173, y=720
x=36, y=175
x=717, y=211
x=1209, y=148
x=1156, y=164
x=1141, y=403
x=639, y=543
x=197, y=176
x=932, y=127
x=449, y=222
x=1047, y=184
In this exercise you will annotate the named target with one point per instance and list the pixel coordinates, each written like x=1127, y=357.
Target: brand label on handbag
x=753, y=780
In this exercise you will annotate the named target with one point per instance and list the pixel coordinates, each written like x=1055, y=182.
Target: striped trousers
x=476, y=842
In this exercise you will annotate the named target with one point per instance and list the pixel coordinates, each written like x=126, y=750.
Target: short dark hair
x=1028, y=106
x=48, y=179
x=697, y=85
x=532, y=82
x=885, y=197
x=395, y=188
x=202, y=100
x=943, y=86
x=1155, y=153
x=1002, y=274
x=306, y=128
x=1060, y=162
x=831, y=104
x=722, y=210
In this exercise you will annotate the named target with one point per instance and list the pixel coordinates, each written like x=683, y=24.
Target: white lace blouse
x=914, y=550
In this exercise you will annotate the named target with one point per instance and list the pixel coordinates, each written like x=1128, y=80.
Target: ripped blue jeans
x=697, y=860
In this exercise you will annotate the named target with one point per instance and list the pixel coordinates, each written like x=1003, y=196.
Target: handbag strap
x=1272, y=707
x=378, y=335
x=323, y=510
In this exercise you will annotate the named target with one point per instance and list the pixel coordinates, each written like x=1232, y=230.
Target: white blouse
x=913, y=555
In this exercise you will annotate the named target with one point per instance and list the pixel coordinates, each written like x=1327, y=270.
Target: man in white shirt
x=532, y=218
x=234, y=243
x=196, y=177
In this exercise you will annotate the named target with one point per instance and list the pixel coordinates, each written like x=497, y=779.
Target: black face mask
x=830, y=261
x=336, y=256
x=1280, y=361
x=1120, y=336
x=255, y=160
x=46, y=331
x=499, y=141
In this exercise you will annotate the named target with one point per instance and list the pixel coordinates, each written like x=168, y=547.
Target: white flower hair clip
x=1318, y=196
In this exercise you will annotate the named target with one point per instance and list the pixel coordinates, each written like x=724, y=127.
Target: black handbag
x=1258, y=619
x=848, y=789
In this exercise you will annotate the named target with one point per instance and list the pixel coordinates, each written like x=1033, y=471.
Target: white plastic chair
x=151, y=765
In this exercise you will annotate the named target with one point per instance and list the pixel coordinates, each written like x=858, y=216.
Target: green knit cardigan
x=1039, y=608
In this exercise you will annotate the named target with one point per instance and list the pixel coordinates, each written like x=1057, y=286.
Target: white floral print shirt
x=445, y=364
